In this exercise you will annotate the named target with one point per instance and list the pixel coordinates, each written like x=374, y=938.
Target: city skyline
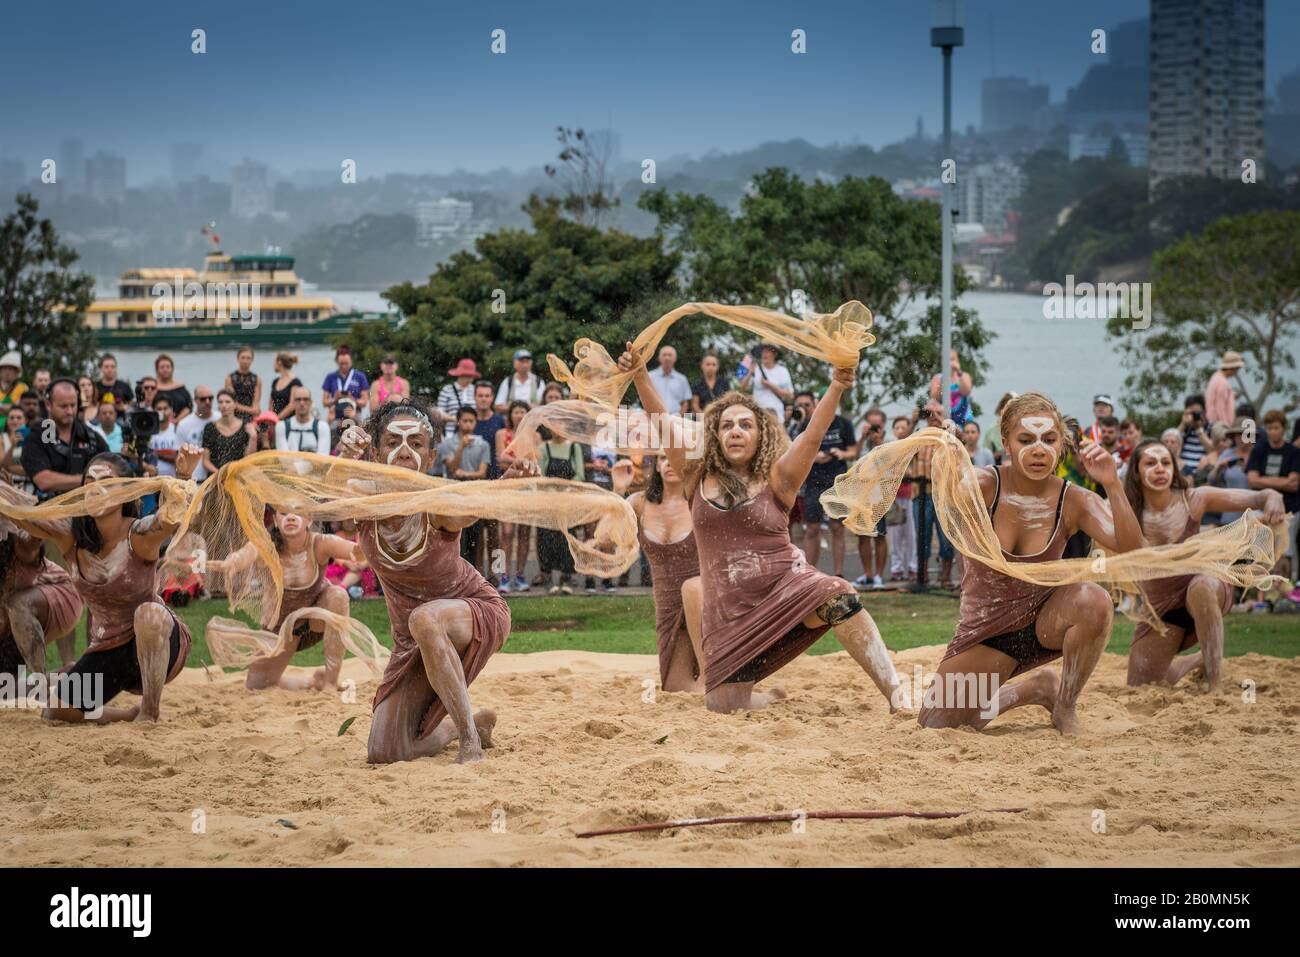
x=710, y=79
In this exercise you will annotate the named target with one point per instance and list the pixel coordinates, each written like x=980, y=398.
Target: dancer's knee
x=1093, y=609
x=335, y=599
x=152, y=623
x=1203, y=592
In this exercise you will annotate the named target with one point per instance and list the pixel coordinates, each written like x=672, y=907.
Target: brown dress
x=999, y=610
x=757, y=589
x=308, y=596
x=436, y=572
x=671, y=563
x=58, y=590
x=1167, y=597
x=112, y=605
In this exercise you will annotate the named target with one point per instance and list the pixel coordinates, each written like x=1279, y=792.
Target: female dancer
x=1008, y=626
x=283, y=384
x=136, y=643
x=245, y=385
x=515, y=538
x=667, y=538
x=1192, y=606
x=446, y=619
x=766, y=606
x=41, y=605
x=303, y=555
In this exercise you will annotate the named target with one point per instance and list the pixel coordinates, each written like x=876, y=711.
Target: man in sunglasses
x=189, y=430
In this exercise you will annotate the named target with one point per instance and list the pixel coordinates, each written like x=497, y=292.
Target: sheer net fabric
x=1242, y=553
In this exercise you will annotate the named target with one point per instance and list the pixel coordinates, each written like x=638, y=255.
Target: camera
x=796, y=415
x=145, y=423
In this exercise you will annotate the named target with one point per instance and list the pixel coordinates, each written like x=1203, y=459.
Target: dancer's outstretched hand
x=1274, y=507
x=627, y=361
x=1098, y=463
x=522, y=468
x=188, y=459
x=353, y=443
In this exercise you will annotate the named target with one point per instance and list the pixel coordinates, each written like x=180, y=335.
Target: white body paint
x=1038, y=426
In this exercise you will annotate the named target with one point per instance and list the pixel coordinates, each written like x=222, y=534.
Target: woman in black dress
x=283, y=384
x=228, y=438
x=245, y=385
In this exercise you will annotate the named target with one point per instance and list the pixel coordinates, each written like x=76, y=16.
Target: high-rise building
x=250, y=190
x=987, y=192
x=441, y=217
x=1207, y=88
x=71, y=171
x=1008, y=102
x=106, y=177
x=1112, y=98
x=186, y=160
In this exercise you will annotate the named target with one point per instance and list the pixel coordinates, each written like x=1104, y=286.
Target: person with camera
x=1195, y=440
x=58, y=448
x=769, y=381
x=163, y=443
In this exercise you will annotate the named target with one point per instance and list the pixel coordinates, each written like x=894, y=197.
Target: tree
x=826, y=243
x=42, y=302
x=588, y=193
x=1236, y=286
x=539, y=289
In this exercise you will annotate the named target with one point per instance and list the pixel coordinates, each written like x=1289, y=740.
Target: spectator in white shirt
x=523, y=386
x=770, y=381
x=456, y=394
x=163, y=443
x=673, y=387
x=302, y=431
x=189, y=430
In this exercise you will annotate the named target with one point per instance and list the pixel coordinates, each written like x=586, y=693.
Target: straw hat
x=1231, y=360
x=12, y=358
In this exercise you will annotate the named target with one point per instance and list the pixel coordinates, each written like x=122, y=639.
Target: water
x=1069, y=359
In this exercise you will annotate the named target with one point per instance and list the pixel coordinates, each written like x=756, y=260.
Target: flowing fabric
x=236, y=645
x=1242, y=553
x=227, y=513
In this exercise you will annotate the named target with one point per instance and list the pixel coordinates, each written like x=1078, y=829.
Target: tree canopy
x=1235, y=285
x=42, y=301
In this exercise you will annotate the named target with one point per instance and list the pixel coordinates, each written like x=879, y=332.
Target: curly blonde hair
x=772, y=443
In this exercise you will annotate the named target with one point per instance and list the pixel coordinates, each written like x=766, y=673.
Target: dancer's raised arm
x=1111, y=522
x=675, y=445
x=151, y=531
x=791, y=470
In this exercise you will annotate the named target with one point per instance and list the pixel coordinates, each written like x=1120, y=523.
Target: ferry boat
x=235, y=299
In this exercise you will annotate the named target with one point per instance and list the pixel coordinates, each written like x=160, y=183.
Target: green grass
x=624, y=624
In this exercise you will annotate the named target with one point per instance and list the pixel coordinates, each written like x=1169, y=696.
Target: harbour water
x=1070, y=359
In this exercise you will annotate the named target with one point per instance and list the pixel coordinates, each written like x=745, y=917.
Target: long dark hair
x=7, y=566
x=654, y=491
x=85, y=531
x=1133, y=489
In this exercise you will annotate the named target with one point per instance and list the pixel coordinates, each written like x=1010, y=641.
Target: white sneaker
x=861, y=583
x=877, y=583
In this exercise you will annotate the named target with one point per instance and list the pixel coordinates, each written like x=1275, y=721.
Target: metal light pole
x=946, y=32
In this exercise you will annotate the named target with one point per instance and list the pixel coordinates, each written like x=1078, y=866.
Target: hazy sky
x=399, y=85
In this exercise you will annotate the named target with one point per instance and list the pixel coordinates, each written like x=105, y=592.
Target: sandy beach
x=1183, y=777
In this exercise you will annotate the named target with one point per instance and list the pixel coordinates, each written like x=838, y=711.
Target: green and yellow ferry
x=235, y=299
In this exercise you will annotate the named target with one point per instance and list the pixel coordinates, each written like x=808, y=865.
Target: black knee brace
x=839, y=609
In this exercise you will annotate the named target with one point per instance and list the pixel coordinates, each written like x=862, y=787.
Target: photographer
x=1195, y=440
x=57, y=449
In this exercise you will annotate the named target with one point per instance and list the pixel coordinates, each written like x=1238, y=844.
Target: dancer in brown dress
x=446, y=619
x=1007, y=626
x=303, y=556
x=668, y=540
x=41, y=605
x=765, y=605
x=136, y=644
x=1191, y=606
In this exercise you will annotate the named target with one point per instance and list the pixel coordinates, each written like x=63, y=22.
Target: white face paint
x=1152, y=459
x=98, y=472
x=1038, y=426
x=404, y=429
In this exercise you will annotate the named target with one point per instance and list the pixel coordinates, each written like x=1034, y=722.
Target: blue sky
x=412, y=86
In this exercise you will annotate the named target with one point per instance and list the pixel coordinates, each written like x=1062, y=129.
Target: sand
x=1183, y=777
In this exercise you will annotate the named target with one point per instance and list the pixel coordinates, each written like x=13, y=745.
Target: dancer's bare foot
x=761, y=699
x=485, y=720
x=323, y=680
x=142, y=715
x=295, y=683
